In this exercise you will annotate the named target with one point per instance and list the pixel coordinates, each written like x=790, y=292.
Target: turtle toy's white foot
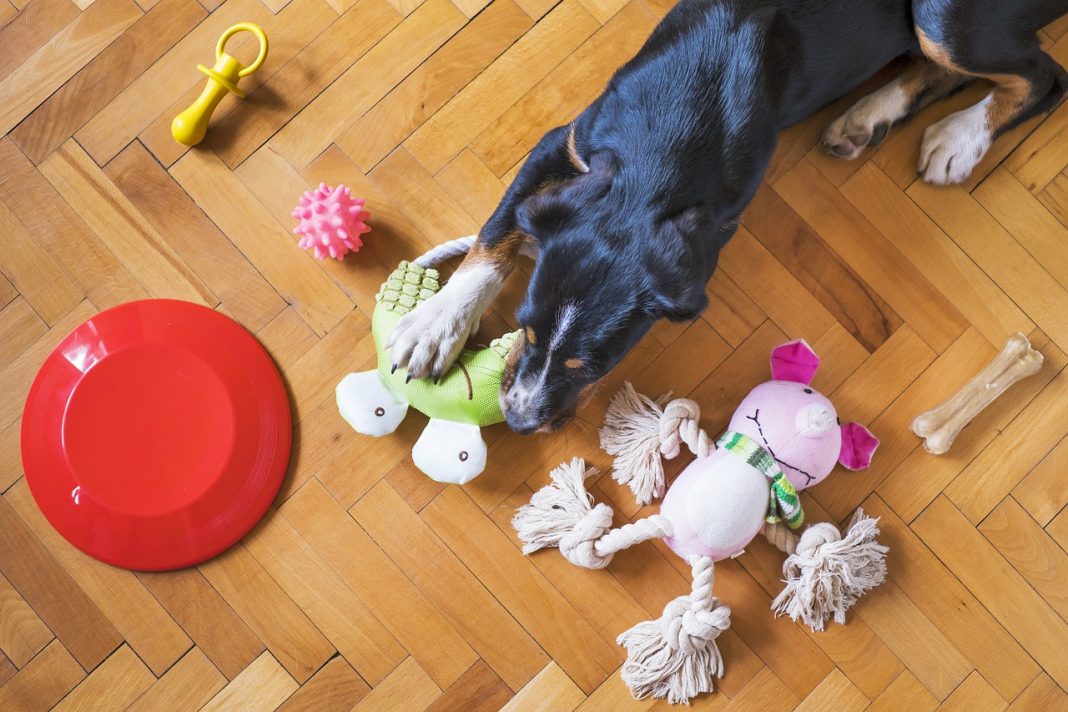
x=368, y=405
x=450, y=452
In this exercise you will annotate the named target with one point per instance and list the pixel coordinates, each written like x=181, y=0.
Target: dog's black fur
x=631, y=204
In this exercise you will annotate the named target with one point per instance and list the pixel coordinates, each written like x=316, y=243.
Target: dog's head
x=608, y=267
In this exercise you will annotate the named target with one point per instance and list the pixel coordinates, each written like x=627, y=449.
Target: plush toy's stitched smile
x=755, y=417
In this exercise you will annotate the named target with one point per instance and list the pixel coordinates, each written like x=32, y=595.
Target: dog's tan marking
x=510, y=363
x=1011, y=91
x=936, y=52
x=501, y=255
x=532, y=338
x=572, y=153
x=574, y=363
x=1009, y=98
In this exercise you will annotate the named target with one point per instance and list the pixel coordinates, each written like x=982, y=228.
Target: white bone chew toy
x=940, y=426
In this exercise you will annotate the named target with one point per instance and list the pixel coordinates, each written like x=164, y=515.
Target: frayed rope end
x=556, y=508
x=676, y=656
x=638, y=431
x=829, y=572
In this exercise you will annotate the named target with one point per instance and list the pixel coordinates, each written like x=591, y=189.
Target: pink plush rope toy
x=331, y=221
x=783, y=438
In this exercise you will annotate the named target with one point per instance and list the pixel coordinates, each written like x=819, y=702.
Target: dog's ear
x=543, y=213
x=685, y=305
x=689, y=221
x=678, y=296
x=677, y=264
x=553, y=205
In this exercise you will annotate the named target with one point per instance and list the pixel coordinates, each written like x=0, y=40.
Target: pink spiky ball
x=331, y=221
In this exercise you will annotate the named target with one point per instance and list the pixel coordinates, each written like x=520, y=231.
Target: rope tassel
x=829, y=572
x=676, y=656
x=639, y=431
x=563, y=514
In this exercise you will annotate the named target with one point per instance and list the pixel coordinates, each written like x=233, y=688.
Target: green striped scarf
x=783, y=504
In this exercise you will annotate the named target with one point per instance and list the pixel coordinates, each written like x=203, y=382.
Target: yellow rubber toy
x=189, y=127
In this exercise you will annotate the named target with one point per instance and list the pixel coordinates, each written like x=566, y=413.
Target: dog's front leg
x=429, y=339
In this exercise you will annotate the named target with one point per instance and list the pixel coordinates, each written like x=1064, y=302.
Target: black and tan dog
x=631, y=203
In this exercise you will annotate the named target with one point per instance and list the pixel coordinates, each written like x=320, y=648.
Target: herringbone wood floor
x=369, y=586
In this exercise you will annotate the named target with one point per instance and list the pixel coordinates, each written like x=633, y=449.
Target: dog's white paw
x=867, y=122
x=953, y=147
x=428, y=340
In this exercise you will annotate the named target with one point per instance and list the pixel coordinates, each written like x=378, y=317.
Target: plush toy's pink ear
x=794, y=361
x=858, y=445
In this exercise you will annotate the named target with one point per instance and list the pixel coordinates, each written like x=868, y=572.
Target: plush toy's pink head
x=799, y=425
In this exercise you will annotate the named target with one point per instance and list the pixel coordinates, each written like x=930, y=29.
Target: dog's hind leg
x=992, y=41
x=867, y=122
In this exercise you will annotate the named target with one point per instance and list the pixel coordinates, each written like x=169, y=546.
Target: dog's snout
x=522, y=408
x=522, y=423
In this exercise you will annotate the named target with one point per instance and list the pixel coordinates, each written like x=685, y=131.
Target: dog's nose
x=522, y=423
x=522, y=409
x=814, y=420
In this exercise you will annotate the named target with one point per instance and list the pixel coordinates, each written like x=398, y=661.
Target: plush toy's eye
x=463, y=456
x=380, y=411
x=808, y=390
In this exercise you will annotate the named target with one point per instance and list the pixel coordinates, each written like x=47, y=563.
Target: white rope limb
x=593, y=542
x=626, y=536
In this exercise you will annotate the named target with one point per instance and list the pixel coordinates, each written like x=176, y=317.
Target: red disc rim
x=156, y=435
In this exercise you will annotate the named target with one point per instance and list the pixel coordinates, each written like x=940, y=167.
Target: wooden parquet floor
x=368, y=586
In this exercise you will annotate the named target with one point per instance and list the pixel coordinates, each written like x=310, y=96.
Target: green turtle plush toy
x=451, y=448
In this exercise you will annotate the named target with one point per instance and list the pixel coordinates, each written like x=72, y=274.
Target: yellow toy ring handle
x=245, y=27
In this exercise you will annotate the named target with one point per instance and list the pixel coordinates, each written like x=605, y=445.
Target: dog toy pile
x=465, y=399
x=783, y=438
x=330, y=221
x=940, y=426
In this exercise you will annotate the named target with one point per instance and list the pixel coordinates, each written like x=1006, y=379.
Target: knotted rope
x=562, y=514
x=592, y=542
x=830, y=571
x=639, y=431
x=676, y=656
x=680, y=423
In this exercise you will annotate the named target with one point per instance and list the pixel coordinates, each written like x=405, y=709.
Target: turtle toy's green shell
x=470, y=391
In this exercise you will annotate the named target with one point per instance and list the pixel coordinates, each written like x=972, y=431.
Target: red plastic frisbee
x=156, y=435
